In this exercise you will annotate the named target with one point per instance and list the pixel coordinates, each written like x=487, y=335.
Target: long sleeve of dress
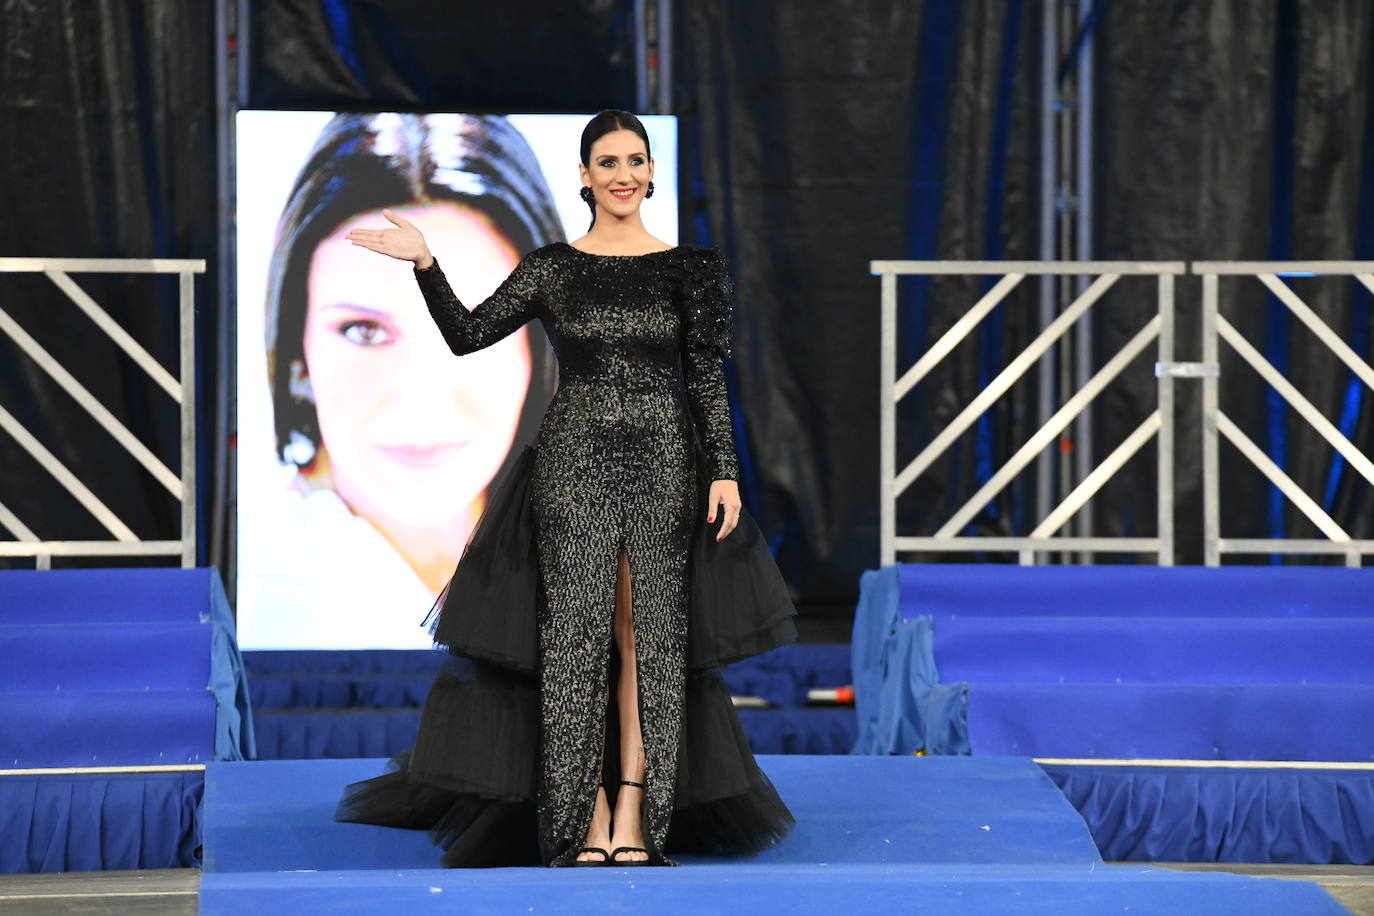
x=515, y=301
x=707, y=298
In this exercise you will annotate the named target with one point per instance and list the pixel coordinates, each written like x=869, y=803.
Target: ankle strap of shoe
x=630, y=782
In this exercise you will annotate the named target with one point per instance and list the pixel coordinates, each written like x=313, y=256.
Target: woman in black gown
x=597, y=561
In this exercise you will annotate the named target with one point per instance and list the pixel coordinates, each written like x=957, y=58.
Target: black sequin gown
x=520, y=726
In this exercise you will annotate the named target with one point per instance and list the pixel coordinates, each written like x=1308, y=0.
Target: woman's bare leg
x=627, y=827
x=599, y=833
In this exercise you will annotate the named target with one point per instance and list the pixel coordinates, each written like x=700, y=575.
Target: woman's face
x=413, y=433
x=619, y=171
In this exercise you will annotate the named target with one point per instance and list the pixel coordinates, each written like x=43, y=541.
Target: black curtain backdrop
x=817, y=135
x=107, y=150
x=1245, y=131
x=829, y=134
x=398, y=55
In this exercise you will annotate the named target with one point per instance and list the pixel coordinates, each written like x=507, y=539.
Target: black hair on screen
x=363, y=162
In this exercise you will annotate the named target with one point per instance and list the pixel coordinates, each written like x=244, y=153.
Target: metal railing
x=1159, y=424
x=181, y=389
x=1217, y=425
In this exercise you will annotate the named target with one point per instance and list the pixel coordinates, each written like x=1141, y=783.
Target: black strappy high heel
x=620, y=849
x=604, y=860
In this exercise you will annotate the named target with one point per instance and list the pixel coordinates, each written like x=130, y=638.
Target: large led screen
x=365, y=447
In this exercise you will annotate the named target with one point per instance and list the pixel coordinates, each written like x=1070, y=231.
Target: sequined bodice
x=614, y=319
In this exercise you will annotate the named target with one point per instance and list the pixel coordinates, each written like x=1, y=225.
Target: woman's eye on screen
x=365, y=333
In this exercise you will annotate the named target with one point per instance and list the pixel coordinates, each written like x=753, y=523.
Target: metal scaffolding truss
x=181, y=485
x=1160, y=424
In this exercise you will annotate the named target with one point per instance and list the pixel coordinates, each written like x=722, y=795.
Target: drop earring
x=649, y=191
x=301, y=448
x=588, y=194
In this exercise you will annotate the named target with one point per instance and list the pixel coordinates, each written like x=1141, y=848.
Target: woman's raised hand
x=405, y=242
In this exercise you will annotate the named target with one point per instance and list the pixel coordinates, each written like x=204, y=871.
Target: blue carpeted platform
x=760, y=889
x=874, y=834
x=277, y=815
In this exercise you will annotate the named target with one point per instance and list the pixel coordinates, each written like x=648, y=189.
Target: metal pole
x=1065, y=244
x=1211, y=495
x=887, y=424
x=641, y=57
x=1165, y=443
x=665, y=56
x=187, y=311
x=1044, y=469
x=243, y=35
x=1083, y=251
x=221, y=454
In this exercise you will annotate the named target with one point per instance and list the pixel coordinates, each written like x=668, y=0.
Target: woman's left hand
x=725, y=494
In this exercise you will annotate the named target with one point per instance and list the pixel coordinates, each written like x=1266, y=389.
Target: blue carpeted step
x=788, y=730
x=95, y=655
x=368, y=678
x=309, y=734
x=339, y=690
x=1252, y=722
x=745, y=887
x=1146, y=650
x=29, y=596
x=106, y=727
x=117, y=667
x=995, y=590
x=300, y=734
x=305, y=690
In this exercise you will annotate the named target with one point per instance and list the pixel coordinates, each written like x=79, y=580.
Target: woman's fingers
x=724, y=494
x=397, y=218
x=729, y=522
x=367, y=243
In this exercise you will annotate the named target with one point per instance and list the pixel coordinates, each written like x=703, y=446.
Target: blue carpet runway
x=874, y=834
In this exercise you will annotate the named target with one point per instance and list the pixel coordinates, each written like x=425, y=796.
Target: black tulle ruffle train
x=471, y=778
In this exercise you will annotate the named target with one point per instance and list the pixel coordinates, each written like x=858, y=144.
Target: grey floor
x=1352, y=885
x=159, y=892
x=174, y=891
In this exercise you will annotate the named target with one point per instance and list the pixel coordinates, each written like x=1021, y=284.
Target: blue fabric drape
x=901, y=706
x=228, y=681
x=1204, y=814
x=100, y=822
